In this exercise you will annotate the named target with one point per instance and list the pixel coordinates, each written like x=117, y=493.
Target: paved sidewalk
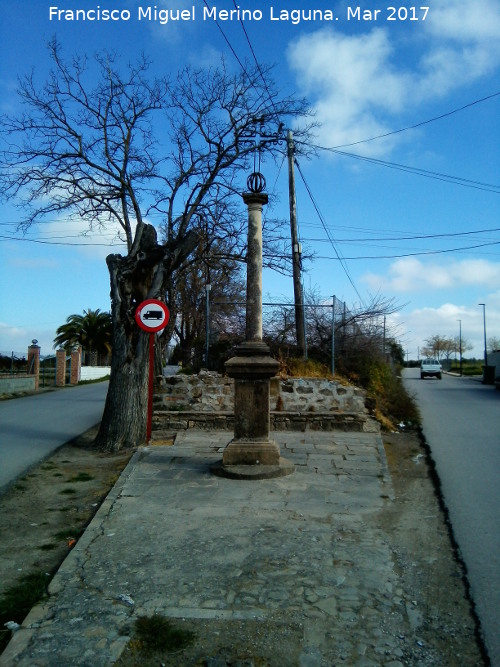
x=299, y=556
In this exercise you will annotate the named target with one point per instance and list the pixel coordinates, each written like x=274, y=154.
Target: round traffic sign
x=152, y=315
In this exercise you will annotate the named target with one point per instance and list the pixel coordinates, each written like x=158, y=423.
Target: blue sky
x=416, y=220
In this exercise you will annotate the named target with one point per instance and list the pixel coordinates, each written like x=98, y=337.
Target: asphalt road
x=461, y=424
x=34, y=426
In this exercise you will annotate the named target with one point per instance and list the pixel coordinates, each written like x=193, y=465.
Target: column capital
x=255, y=198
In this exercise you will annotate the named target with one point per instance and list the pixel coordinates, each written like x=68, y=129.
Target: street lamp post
x=485, y=348
x=333, y=334
x=460, y=344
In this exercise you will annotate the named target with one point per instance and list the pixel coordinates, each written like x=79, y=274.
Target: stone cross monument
x=252, y=454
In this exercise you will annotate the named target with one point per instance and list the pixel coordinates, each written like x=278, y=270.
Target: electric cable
x=226, y=40
x=415, y=254
x=456, y=180
x=414, y=237
x=327, y=232
x=424, y=122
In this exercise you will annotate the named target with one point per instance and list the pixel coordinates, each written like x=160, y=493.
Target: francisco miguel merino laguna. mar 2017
x=163, y=15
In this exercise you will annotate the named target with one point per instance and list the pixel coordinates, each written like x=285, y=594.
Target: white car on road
x=430, y=368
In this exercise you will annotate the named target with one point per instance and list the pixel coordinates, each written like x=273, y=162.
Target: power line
x=424, y=122
x=415, y=254
x=327, y=231
x=338, y=257
x=457, y=180
x=256, y=61
x=47, y=242
x=413, y=237
x=226, y=39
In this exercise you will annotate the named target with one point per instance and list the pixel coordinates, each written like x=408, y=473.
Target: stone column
x=252, y=454
x=60, y=368
x=255, y=201
x=34, y=362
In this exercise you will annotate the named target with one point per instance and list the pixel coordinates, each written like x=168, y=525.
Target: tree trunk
x=123, y=422
x=133, y=279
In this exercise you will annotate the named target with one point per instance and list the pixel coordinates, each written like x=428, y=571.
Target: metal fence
x=333, y=328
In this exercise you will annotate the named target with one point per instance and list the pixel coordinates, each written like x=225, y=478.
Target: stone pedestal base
x=256, y=472
x=244, y=452
x=252, y=450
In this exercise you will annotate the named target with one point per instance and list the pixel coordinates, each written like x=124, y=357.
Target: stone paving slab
x=298, y=552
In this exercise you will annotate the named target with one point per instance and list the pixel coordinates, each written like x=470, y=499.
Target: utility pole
x=296, y=249
x=208, y=287
x=333, y=334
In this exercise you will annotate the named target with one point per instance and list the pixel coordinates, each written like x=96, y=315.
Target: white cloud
x=360, y=87
x=33, y=263
x=352, y=79
x=418, y=325
x=94, y=243
x=17, y=339
x=412, y=275
x=12, y=339
x=464, y=21
x=9, y=330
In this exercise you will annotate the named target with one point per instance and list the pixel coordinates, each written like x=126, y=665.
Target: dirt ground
x=48, y=509
x=426, y=556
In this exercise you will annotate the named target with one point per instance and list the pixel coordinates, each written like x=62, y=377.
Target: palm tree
x=92, y=331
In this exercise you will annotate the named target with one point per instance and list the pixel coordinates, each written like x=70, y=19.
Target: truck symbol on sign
x=153, y=315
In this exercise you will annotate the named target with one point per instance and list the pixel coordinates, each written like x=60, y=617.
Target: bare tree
x=435, y=346
x=214, y=267
x=461, y=345
x=113, y=153
x=443, y=347
x=493, y=344
x=357, y=331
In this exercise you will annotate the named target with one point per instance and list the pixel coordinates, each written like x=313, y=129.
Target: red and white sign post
x=152, y=316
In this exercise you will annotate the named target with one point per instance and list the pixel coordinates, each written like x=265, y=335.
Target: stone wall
x=315, y=395
x=297, y=404
x=209, y=392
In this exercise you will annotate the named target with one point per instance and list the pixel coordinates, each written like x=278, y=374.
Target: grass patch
x=68, y=491
x=48, y=547
x=468, y=367
x=310, y=368
x=393, y=403
x=156, y=633
x=17, y=601
x=105, y=378
x=81, y=477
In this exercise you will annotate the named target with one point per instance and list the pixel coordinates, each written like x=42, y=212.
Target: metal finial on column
x=256, y=182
